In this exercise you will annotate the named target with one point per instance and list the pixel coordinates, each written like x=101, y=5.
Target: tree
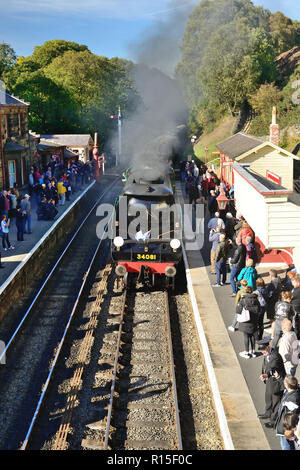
x=97, y=85
x=203, y=28
x=45, y=54
x=7, y=58
x=285, y=33
x=264, y=99
x=52, y=109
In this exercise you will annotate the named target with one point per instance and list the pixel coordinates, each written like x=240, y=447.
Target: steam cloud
x=160, y=46
x=150, y=137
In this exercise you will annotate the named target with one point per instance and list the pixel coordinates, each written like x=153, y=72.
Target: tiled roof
x=10, y=100
x=238, y=144
x=68, y=140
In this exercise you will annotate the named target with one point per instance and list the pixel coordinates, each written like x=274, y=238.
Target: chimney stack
x=274, y=128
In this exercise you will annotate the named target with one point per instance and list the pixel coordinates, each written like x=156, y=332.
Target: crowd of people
x=203, y=185
x=272, y=308
x=50, y=186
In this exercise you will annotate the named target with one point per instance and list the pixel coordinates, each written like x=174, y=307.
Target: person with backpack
x=248, y=310
x=261, y=292
x=238, y=297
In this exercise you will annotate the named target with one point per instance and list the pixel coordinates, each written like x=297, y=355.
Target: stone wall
x=26, y=281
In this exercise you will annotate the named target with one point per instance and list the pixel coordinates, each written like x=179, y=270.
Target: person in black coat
x=237, y=263
x=296, y=304
x=193, y=193
x=249, y=301
x=20, y=217
x=290, y=402
x=212, y=203
x=273, y=293
x=273, y=373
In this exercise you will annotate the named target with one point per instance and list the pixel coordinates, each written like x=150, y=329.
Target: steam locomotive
x=147, y=226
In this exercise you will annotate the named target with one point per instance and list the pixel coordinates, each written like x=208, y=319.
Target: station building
x=14, y=141
x=80, y=145
x=266, y=190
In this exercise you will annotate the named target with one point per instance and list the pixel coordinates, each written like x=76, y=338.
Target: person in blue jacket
x=249, y=273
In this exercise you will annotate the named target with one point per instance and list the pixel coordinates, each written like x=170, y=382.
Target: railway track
x=141, y=410
x=36, y=342
x=105, y=378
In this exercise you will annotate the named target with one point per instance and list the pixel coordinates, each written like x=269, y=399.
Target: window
x=12, y=173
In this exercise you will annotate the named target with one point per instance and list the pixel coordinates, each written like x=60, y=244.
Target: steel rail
x=50, y=274
x=45, y=388
x=84, y=350
x=114, y=379
x=172, y=367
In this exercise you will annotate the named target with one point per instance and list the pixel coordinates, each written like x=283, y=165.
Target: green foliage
x=51, y=108
x=72, y=90
x=45, y=54
x=228, y=52
x=263, y=101
x=267, y=97
x=285, y=33
x=7, y=58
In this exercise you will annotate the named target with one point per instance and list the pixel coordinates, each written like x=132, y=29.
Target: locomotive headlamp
x=118, y=242
x=175, y=243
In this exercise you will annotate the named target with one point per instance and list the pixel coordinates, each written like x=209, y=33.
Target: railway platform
x=46, y=237
x=12, y=259
x=236, y=383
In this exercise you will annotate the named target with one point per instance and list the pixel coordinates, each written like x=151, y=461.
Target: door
x=12, y=172
x=23, y=170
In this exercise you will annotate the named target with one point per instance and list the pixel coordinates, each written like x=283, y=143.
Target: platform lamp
x=222, y=200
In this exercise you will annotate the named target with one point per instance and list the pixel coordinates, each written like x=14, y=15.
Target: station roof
x=46, y=145
x=10, y=100
x=261, y=184
x=68, y=140
x=272, y=146
x=11, y=146
x=239, y=144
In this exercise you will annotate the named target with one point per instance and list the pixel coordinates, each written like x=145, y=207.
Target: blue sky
x=107, y=27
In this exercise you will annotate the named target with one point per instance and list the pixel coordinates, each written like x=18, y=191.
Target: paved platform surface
x=11, y=259
x=242, y=393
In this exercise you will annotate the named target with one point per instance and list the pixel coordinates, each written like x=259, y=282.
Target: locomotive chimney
x=274, y=128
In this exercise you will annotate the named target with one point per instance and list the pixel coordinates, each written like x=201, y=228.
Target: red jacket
x=243, y=233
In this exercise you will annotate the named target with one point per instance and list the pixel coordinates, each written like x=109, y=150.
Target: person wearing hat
x=273, y=373
x=26, y=209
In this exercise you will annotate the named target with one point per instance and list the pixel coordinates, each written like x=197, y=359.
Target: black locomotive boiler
x=147, y=246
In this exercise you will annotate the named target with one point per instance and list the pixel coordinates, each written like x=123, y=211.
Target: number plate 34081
x=145, y=256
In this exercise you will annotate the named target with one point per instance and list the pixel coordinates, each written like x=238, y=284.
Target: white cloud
x=118, y=9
